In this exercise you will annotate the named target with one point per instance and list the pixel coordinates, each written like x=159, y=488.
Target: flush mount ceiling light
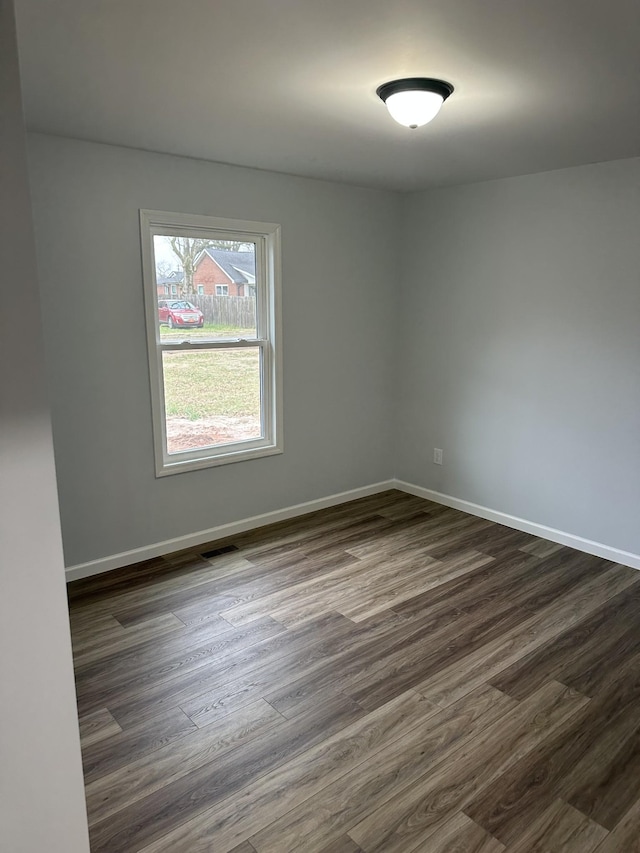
x=414, y=101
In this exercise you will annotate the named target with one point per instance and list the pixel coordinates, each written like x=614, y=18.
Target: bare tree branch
x=187, y=249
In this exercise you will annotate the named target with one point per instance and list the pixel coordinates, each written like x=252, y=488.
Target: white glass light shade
x=414, y=101
x=413, y=108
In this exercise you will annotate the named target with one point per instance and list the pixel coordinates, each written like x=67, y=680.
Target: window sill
x=185, y=465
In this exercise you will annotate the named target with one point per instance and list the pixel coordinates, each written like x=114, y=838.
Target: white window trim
x=266, y=236
x=223, y=287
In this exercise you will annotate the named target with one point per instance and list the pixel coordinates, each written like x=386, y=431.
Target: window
x=174, y=289
x=214, y=368
x=201, y=290
x=222, y=289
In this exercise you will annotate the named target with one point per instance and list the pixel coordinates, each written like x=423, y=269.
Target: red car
x=178, y=314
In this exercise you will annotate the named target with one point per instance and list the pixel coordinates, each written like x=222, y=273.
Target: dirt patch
x=184, y=434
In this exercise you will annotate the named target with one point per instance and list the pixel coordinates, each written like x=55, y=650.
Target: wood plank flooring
x=386, y=675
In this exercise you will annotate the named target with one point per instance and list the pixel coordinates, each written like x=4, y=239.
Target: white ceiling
x=289, y=85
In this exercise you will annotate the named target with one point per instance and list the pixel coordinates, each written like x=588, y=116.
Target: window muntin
x=214, y=364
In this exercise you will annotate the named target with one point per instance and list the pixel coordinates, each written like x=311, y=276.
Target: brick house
x=170, y=285
x=219, y=272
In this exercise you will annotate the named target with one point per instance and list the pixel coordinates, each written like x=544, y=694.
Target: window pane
x=211, y=398
x=206, y=288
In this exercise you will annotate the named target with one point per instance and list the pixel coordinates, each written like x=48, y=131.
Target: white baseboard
x=193, y=540
x=137, y=555
x=587, y=545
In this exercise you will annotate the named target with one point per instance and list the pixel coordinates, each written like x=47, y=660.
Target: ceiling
x=289, y=85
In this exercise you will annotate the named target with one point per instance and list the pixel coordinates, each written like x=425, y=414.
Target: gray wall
x=520, y=348
x=512, y=343
x=41, y=794
x=340, y=289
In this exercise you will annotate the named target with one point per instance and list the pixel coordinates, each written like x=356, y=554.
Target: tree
x=230, y=245
x=164, y=268
x=188, y=249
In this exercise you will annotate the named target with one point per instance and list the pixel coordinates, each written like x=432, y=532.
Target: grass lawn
x=202, y=385
x=207, y=331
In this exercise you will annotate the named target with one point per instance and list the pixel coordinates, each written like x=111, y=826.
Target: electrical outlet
x=437, y=456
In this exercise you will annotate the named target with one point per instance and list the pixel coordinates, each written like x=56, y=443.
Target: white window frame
x=222, y=289
x=201, y=290
x=266, y=236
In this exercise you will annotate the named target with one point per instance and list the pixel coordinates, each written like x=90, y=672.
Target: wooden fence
x=238, y=311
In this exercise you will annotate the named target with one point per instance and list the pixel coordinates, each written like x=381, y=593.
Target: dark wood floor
x=387, y=675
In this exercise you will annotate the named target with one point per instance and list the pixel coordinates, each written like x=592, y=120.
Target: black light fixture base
x=422, y=84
